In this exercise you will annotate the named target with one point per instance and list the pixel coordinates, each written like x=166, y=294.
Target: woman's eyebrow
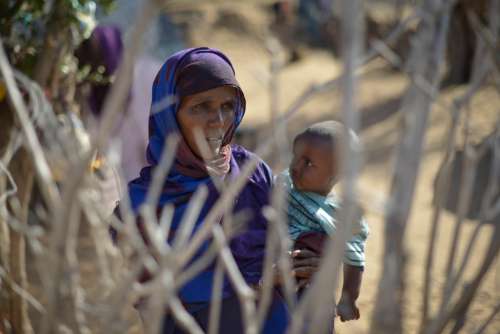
x=200, y=100
x=204, y=100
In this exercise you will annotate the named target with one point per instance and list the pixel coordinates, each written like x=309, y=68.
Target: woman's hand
x=304, y=264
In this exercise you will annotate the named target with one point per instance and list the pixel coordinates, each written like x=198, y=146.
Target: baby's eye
x=309, y=163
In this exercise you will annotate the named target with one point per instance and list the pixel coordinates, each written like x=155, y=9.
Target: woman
x=207, y=97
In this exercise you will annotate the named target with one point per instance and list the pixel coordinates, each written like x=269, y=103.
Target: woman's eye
x=309, y=163
x=199, y=108
x=228, y=107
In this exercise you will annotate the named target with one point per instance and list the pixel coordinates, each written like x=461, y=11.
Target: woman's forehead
x=222, y=93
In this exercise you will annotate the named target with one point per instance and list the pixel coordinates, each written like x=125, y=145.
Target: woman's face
x=212, y=112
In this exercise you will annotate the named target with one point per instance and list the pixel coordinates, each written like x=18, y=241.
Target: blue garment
x=247, y=247
x=248, y=250
x=231, y=317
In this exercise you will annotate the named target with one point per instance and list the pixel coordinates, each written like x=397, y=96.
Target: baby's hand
x=347, y=309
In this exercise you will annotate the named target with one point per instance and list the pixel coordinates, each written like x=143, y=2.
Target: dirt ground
x=378, y=96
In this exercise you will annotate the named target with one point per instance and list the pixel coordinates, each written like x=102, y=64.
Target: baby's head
x=316, y=157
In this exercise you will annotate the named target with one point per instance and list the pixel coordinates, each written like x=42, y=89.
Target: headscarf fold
x=185, y=73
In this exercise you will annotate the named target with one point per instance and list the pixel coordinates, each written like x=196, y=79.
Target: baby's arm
x=354, y=263
x=346, y=308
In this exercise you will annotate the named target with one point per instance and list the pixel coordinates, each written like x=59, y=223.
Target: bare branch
x=430, y=39
x=22, y=292
x=488, y=321
x=41, y=165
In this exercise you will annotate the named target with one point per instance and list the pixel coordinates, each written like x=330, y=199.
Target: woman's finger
x=302, y=283
x=304, y=253
x=309, y=262
x=304, y=272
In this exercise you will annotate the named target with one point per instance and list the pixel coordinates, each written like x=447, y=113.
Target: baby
x=313, y=208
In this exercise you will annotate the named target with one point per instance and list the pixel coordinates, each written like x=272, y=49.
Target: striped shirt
x=311, y=212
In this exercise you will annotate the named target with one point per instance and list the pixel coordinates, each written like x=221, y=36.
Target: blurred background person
x=99, y=57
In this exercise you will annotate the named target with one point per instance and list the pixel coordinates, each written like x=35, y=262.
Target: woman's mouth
x=215, y=144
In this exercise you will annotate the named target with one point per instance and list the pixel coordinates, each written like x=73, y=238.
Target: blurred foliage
x=29, y=27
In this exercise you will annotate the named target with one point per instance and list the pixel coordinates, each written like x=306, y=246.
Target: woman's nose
x=217, y=117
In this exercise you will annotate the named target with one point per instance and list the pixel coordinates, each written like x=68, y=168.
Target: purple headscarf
x=103, y=49
x=185, y=73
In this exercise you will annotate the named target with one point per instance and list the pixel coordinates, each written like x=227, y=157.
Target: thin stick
x=330, y=84
x=430, y=39
x=183, y=317
x=22, y=292
x=245, y=294
x=495, y=165
x=119, y=91
x=352, y=37
x=194, y=269
x=488, y=321
x=467, y=180
x=216, y=299
x=206, y=259
x=276, y=247
x=8, y=192
x=441, y=195
x=158, y=300
x=225, y=201
x=458, y=310
x=161, y=170
x=112, y=106
x=479, y=75
x=41, y=166
x=267, y=279
x=488, y=36
x=166, y=217
x=190, y=218
x=73, y=267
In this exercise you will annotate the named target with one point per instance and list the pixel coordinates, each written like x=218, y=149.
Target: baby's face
x=313, y=167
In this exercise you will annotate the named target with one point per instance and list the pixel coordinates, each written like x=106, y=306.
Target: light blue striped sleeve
x=355, y=247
